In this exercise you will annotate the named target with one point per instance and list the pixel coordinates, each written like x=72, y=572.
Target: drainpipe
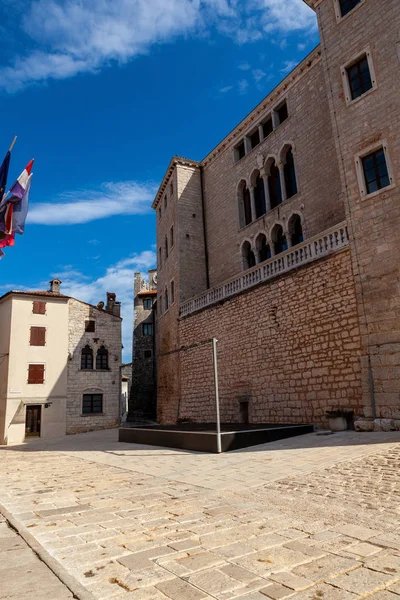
x=204, y=226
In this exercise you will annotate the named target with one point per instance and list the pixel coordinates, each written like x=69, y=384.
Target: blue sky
x=102, y=93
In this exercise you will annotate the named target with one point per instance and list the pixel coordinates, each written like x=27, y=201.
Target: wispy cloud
x=226, y=89
x=69, y=37
x=258, y=74
x=289, y=65
x=71, y=208
x=244, y=67
x=243, y=84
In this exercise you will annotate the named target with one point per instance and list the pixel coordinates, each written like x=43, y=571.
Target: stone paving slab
x=310, y=518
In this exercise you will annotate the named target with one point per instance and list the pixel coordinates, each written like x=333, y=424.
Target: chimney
x=113, y=306
x=55, y=285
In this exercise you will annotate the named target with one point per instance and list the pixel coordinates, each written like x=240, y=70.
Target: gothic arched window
x=263, y=249
x=87, y=358
x=244, y=204
x=279, y=240
x=102, y=359
x=274, y=185
x=290, y=175
x=248, y=258
x=296, y=230
x=259, y=194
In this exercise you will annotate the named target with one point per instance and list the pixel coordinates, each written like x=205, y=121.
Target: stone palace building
x=59, y=364
x=283, y=242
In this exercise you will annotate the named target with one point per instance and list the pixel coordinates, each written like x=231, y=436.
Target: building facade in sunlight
x=283, y=243
x=59, y=364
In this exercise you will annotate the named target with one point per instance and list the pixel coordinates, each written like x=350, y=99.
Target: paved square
x=309, y=518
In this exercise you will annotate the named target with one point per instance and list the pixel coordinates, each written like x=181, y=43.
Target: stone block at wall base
x=377, y=425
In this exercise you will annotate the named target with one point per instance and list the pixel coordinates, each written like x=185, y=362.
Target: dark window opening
x=246, y=205
x=165, y=201
x=264, y=251
x=92, y=403
x=102, y=359
x=166, y=247
x=274, y=185
x=280, y=241
x=147, y=304
x=259, y=194
x=267, y=127
x=159, y=213
x=244, y=412
x=255, y=139
x=296, y=230
x=39, y=308
x=249, y=260
x=147, y=328
x=282, y=113
x=347, y=5
x=159, y=257
x=36, y=374
x=38, y=336
x=90, y=326
x=359, y=78
x=171, y=190
x=171, y=236
x=172, y=292
x=166, y=303
x=147, y=353
x=87, y=358
x=290, y=175
x=241, y=152
x=375, y=171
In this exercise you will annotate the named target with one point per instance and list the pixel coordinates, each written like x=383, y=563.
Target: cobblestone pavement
x=309, y=518
x=21, y=571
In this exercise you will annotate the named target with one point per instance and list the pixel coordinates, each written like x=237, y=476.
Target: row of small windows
x=167, y=299
x=267, y=190
x=262, y=131
x=101, y=359
x=171, y=193
x=280, y=241
x=168, y=245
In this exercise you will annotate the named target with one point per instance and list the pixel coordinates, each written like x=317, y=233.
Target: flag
x=4, y=174
x=17, y=202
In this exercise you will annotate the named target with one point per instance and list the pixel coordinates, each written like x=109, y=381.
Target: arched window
x=259, y=194
x=248, y=258
x=263, y=249
x=244, y=204
x=87, y=358
x=279, y=240
x=102, y=359
x=290, y=175
x=296, y=230
x=274, y=185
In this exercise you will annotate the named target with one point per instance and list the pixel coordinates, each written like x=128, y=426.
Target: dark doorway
x=244, y=412
x=33, y=418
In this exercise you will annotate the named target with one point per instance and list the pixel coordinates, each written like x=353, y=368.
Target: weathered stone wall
x=291, y=347
x=107, y=333
x=373, y=221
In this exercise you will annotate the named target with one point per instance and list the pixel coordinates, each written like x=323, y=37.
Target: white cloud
x=127, y=197
x=244, y=67
x=243, y=84
x=258, y=74
x=75, y=36
x=226, y=89
x=289, y=65
x=118, y=278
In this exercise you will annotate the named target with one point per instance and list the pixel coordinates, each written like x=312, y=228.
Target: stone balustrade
x=312, y=249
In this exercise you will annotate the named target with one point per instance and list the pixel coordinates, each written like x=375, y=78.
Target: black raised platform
x=203, y=437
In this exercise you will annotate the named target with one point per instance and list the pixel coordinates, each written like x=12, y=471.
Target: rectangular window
x=255, y=139
x=267, y=127
x=172, y=292
x=166, y=303
x=38, y=336
x=375, y=171
x=347, y=6
x=359, y=77
x=92, y=403
x=171, y=190
x=166, y=248
x=240, y=151
x=90, y=326
x=159, y=257
x=36, y=374
x=147, y=328
x=159, y=305
x=39, y=308
x=147, y=303
x=171, y=236
x=159, y=214
x=165, y=201
x=147, y=353
x=282, y=113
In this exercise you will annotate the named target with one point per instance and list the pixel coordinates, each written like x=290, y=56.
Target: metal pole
x=219, y=447
x=12, y=143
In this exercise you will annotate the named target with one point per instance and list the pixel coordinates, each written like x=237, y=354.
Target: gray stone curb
x=76, y=588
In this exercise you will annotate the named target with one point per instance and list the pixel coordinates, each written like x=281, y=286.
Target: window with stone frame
x=87, y=358
x=166, y=300
x=147, y=328
x=92, y=403
x=90, y=326
x=38, y=307
x=267, y=127
x=274, y=186
x=263, y=248
x=359, y=77
x=295, y=230
x=165, y=201
x=254, y=138
x=102, y=359
x=147, y=303
x=279, y=240
x=240, y=151
x=282, y=112
x=159, y=258
x=248, y=257
x=347, y=6
x=165, y=248
x=375, y=170
x=171, y=190
x=259, y=197
x=172, y=295
x=171, y=237
x=290, y=174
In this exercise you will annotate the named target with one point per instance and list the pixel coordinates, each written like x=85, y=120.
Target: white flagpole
x=12, y=143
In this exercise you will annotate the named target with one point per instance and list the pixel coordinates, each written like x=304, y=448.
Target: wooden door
x=33, y=418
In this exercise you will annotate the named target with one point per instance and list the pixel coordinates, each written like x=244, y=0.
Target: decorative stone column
x=281, y=168
x=253, y=203
x=266, y=190
x=261, y=132
x=288, y=239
